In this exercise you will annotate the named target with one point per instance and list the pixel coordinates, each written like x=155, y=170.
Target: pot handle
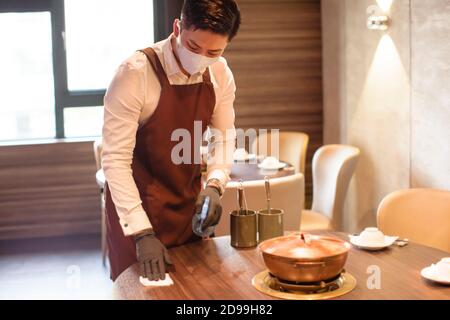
x=310, y=264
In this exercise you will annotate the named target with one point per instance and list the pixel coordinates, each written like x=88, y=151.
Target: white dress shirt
x=130, y=101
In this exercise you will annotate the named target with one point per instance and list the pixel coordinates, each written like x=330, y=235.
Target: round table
x=239, y=171
x=212, y=269
x=249, y=171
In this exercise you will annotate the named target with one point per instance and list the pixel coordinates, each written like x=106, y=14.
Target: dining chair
x=286, y=193
x=332, y=169
x=292, y=148
x=98, y=153
x=420, y=215
x=98, y=162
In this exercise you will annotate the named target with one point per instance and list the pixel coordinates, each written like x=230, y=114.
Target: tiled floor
x=58, y=268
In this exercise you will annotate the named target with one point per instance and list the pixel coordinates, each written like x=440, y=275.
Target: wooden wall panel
x=48, y=190
x=277, y=62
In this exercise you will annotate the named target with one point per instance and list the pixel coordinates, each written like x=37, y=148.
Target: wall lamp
x=377, y=20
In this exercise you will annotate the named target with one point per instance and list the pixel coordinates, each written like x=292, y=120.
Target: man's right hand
x=152, y=256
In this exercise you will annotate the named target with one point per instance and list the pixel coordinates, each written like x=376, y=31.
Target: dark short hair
x=219, y=16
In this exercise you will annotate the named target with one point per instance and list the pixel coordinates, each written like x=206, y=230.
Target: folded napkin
x=156, y=283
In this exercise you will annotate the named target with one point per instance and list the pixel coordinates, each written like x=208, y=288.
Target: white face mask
x=193, y=62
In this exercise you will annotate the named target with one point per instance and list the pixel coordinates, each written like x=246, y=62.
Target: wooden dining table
x=213, y=269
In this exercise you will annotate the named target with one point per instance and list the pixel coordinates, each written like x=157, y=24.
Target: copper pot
x=305, y=258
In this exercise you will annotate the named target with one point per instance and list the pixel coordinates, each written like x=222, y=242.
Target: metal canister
x=270, y=224
x=243, y=228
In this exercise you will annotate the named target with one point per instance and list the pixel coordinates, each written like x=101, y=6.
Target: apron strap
x=156, y=65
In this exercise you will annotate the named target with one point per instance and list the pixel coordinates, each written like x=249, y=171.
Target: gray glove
x=152, y=256
x=215, y=208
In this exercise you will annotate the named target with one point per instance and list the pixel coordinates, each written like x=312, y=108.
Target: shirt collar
x=170, y=63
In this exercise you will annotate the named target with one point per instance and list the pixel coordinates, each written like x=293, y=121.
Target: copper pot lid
x=304, y=246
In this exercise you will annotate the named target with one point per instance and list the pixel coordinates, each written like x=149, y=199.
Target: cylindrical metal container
x=243, y=229
x=270, y=225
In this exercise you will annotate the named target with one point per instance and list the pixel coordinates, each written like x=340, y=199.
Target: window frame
x=63, y=97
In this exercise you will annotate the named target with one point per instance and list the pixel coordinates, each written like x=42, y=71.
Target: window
x=58, y=58
x=102, y=36
x=26, y=78
x=83, y=121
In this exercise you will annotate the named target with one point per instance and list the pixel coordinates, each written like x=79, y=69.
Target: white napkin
x=156, y=283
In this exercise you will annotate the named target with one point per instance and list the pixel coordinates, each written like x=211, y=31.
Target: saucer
x=429, y=274
x=279, y=165
x=388, y=241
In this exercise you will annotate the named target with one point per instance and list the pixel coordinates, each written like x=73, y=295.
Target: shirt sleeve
x=123, y=103
x=222, y=131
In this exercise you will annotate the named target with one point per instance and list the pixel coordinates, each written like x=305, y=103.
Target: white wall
x=388, y=93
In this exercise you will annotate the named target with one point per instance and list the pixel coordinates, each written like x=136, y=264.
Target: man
x=175, y=84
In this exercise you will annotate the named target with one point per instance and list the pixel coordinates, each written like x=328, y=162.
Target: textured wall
x=377, y=108
x=333, y=38
x=392, y=98
x=430, y=108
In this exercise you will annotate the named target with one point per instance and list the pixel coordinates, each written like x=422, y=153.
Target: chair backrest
x=420, y=215
x=287, y=193
x=333, y=168
x=292, y=147
x=98, y=153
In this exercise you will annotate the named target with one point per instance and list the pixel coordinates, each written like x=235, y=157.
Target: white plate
x=388, y=241
x=250, y=156
x=276, y=167
x=429, y=274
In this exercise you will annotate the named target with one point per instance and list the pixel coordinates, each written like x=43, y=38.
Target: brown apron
x=168, y=191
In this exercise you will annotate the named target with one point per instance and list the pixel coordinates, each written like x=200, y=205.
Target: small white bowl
x=240, y=154
x=372, y=237
x=271, y=163
x=443, y=268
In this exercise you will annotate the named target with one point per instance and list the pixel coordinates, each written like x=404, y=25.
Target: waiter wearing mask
x=176, y=83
